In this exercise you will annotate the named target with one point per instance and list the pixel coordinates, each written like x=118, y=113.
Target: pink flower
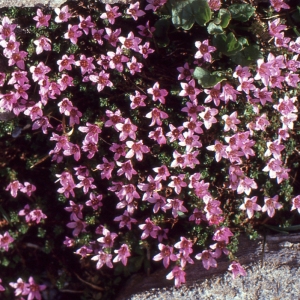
x=7, y=29
x=35, y=289
x=28, y=188
x=108, y=240
x=111, y=13
x=222, y=235
x=123, y=254
x=296, y=203
x=192, y=109
x=185, y=72
x=179, y=275
x=21, y=288
x=176, y=205
x=42, y=44
x=250, y=206
x=39, y=72
x=75, y=209
x=95, y=201
x=25, y=212
x=149, y=229
x=219, y=247
x=37, y=215
x=103, y=259
x=134, y=10
x=66, y=62
x=236, y=269
x=208, y=116
x=125, y=220
x=62, y=14
x=166, y=253
x=189, y=90
x=208, y=259
x=274, y=148
x=85, y=24
x=220, y=150
x=114, y=118
x=279, y=4
x=197, y=216
x=137, y=100
x=126, y=168
x=175, y=133
x=158, y=136
x=92, y=132
x=78, y=226
x=86, y=183
x=42, y=20
x=97, y=35
x=17, y=58
x=158, y=94
x=204, y=50
x=134, y=66
x=162, y=173
x=214, y=4
x=5, y=240
x=179, y=160
x=137, y=149
x=146, y=31
x=270, y=205
x=127, y=129
x=72, y=149
x=112, y=36
x=156, y=114
x=189, y=140
x=131, y=42
x=117, y=59
x=1, y=287
x=14, y=186
x=185, y=246
x=102, y=80
x=154, y=4
x=275, y=28
x=107, y=168
x=177, y=183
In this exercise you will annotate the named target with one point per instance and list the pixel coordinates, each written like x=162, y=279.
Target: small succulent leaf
x=207, y=79
x=212, y=28
x=225, y=17
x=228, y=45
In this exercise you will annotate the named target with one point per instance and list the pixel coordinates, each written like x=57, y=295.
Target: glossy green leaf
x=207, y=79
x=186, y=12
x=225, y=17
x=227, y=44
x=247, y=56
x=241, y=12
x=212, y=28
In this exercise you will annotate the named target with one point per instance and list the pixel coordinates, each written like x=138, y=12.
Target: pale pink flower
x=107, y=168
x=42, y=44
x=231, y=121
x=17, y=58
x=108, y=240
x=158, y=136
x=85, y=24
x=176, y=205
x=92, y=132
x=69, y=242
x=228, y=93
x=200, y=188
x=5, y=240
x=208, y=259
x=112, y=36
x=246, y=85
x=42, y=20
x=296, y=203
x=192, y=109
x=245, y=185
x=35, y=289
x=189, y=90
x=102, y=80
x=274, y=148
x=175, y=133
x=222, y=235
x=156, y=115
x=127, y=169
x=275, y=27
x=270, y=205
x=179, y=275
x=7, y=29
x=208, y=116
x=149, y=229
x=123, y=254
x=78, y=226
x=21, y=288
x=127, y=130
x=158, y=94
x=179, y=160
x=28, y=188
x=85, y=64
x=166, y=254
x=125, y=220
x=146, y=31
x=137, y=149
x=236, y=269
x=66, y=62
x=177, y=183
x=14, y=186
x=111, y=13
x=37, y=215
x=185, y=246
x=62, y=14
x=263, y=95
x=103, y=259
x=117, y=59
x=39, y=72
x=114, y=118
x=250, y=206
x=134, y=10
x=134, y=66
x=137, y=100
x=263, y=71
x=241, y=72
x=189, y=140
x=72, y=149
x=185, y=72
x=162, y=173
x=204, y=50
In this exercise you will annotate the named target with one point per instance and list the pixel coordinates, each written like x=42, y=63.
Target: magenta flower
x=108, y=240
x=166, y=253
x=75, y=209
x=5, y=240
x=127, y=129
x=42, y=20
x=73, y=33
x=95, y=201
x=250, y=206
x=177, y=183
x=270, y=205
x=204, y=50
x=149, y=229
x=78, y=226
x=17, y=58
x=103, y=259
x=158, y=136
x=185, y=72
x=296, y=203
x=208, y=259
x=189, y=90
x=123, y=254
x=111, y=13
x=134, y=10
x=279, y=4
x=222, y=235
x=112, y=36
x=158, y=94
x=236, y=269
x=25, y=212
x=97, y=35
x=7, y=29
x=146, y=31
x=86, y=183
x=125, y=220
x=156, y=115
x=106, y=168
x=69, y=242
x=208, y=116
x=178, y=274
x=62, y=14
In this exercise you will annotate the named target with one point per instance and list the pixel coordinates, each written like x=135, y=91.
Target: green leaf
x=161, y=32
x=186, y=12
x=207, y=79
x=225, y=17
x=212, y=28
x=247, y=56
x=228, y=45
x=241, y=12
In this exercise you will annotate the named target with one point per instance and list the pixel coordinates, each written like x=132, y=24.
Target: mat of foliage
x=144, y=135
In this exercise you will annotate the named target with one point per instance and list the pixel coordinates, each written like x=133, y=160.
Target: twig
x=90, y=284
